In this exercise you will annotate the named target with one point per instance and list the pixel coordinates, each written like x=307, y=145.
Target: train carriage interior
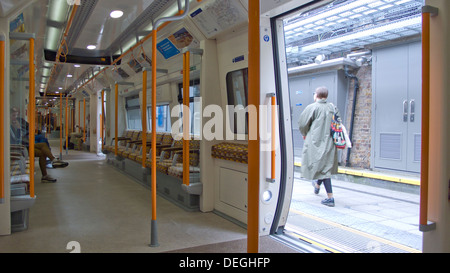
x=173, y=126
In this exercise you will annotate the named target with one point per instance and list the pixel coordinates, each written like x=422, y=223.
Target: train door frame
x=285, y=124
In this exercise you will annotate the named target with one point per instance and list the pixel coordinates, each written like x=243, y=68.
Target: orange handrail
x=116, y=119
x=253, y=144
x=128, y=51
x=60, y=124
x=58, y=54
x=31, y=102
x=186, y=85
x=102, y=117
x=154, y=239
x=423, y=214
x=2, y=116
x=79, y=116
x=84, y=120
x=144, y=118
x=274, y=118
x=66, y=125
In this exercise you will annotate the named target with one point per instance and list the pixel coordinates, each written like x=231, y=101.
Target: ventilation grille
x=417, y=147
x=390, y=146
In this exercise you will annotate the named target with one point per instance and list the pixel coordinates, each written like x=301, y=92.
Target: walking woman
x=319, y=158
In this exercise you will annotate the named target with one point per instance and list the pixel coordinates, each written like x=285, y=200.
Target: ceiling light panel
x=349, y=24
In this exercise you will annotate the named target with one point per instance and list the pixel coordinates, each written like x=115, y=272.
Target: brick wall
x=362, y=135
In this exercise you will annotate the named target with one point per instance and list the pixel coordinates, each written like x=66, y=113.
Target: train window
x=163, y=123
x=237, y=92
x=194, y=105
x=133, y=110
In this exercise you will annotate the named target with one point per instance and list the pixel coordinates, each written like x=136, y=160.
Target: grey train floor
x=105, y=211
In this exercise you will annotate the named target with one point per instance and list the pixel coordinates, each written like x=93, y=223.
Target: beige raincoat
x=319, y=158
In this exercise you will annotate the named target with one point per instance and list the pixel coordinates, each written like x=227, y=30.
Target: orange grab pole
x=66, y=125
x=186, y=126
x=84, y=120
x=79, y=116
x=274, y=116
x=144, y=118
x=154, y=237
x=102, y=117
x=60, y=125
x=116, y=119
x=253, y=143
x=129, y=50
x=423, y=216
x=31, y=112
x=2, y=117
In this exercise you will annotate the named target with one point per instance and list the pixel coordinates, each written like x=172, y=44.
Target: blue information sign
x=167, y=48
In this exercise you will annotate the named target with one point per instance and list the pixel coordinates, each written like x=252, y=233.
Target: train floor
x=103, y=210
x=96, y=207
x=365, y=218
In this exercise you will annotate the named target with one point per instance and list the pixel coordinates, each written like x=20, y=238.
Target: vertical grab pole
x=116, y=119
x=84, y=120
x=31, y=119
x=2, y=118
x=79, y=116
x=60, y=125
x=154, y=232
x=49, y=120
x=154, y=237
x=424, y=225
x=253, y=142
x=66, y=125
x=274, y=118
x=186, y=85
x=144, y=117
x=102, y=118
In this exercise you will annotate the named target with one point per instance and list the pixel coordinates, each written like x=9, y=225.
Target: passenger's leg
x=42, y=160
x=45, y=150
x=328, y=187
x=330, y=200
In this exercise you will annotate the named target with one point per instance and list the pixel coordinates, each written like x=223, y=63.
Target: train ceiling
x=100, y=31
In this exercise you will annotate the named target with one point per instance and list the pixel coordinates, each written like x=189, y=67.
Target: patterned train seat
x=231, y=151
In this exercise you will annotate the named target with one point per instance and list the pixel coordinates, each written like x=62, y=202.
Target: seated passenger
x=19, y=135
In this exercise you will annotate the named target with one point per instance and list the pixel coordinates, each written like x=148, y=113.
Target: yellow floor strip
x=367, y=174
x=370, y=236
x=315, y=243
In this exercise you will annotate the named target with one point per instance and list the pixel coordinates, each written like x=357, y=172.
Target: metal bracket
x=193, y=188
x=21, y=36
x=433, y=11
x=2, y=37
x=428, y=227
x=125, y=83
x=270, y=180
x=269, y=95
x=196, y=51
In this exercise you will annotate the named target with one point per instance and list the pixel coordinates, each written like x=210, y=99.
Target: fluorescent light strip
x=365, y=33
x=329, y=13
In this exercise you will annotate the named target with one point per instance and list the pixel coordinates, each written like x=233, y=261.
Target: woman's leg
x=328, y=187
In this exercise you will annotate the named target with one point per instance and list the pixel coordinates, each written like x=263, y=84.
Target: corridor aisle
x=103, y=210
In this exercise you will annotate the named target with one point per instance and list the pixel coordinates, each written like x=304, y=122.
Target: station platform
x=374, y=212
